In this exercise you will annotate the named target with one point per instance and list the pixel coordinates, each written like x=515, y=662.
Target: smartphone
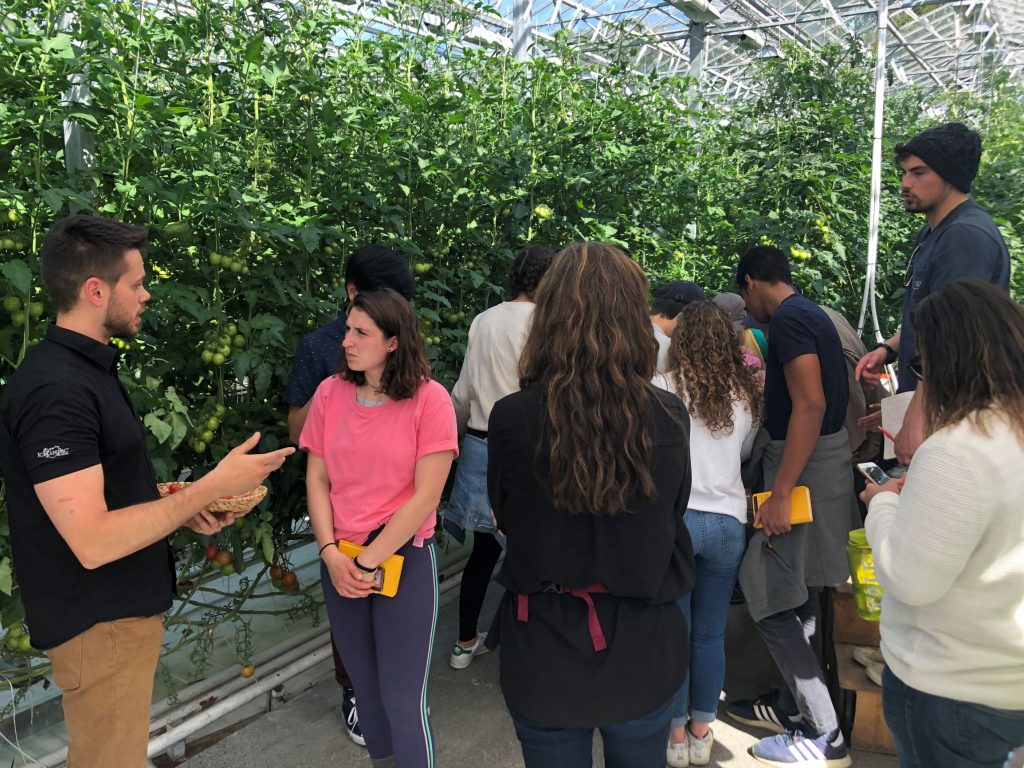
x=873, y=472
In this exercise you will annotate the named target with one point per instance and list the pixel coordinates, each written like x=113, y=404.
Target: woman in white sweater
x=949, y=541
x=490, y=371
x=707, y=370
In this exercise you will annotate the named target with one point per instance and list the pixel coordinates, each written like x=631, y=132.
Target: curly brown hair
x=592, y=353
x=407, y=367
x=706, y=368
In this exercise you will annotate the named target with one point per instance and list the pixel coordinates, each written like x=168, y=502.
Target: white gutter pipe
x=876, y=176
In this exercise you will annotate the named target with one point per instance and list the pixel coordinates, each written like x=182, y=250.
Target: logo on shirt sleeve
x=53, y=452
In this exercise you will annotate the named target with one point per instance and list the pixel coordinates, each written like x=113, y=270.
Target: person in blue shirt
x=959, y=239
x=316, y=358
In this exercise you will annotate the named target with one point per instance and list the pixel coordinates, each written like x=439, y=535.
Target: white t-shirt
x=664, y=342
x=715, y=459
x=949, y=554
x=490, y=370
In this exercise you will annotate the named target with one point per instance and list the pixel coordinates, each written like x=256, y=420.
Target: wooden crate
x=847, y=625
x=868, y=731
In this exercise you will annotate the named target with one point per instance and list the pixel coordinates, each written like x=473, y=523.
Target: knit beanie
x=952, y=150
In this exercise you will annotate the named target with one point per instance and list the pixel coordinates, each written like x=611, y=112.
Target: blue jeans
x=931, y=731
x=636, y=743
x=719, y=542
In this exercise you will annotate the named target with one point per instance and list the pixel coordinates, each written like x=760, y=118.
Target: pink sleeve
x=312, y=437
x=436, y=430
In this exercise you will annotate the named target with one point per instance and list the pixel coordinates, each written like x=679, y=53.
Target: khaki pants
x=106, y=675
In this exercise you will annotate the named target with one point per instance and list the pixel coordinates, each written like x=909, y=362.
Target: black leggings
x=475, y=577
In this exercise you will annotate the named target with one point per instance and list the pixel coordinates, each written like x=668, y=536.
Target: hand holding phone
x=873, y=473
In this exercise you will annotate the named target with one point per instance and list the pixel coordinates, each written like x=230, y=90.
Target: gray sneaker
x=461, y=657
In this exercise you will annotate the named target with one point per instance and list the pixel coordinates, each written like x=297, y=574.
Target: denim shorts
x=469, y=508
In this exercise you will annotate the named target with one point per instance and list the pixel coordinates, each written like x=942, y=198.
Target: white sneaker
x=461, y=657
x=874, y=671
x=865, y=655
x=700, y=749
x=678, y=755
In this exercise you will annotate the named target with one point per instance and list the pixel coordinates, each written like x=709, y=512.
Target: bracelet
x=362, y=567
x=890, y=353
x=325, y=546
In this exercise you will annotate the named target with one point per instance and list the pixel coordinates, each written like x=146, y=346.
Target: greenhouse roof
x=934, y=44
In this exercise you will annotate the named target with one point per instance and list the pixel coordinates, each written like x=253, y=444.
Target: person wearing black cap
x=668, y=301
x=959, y=240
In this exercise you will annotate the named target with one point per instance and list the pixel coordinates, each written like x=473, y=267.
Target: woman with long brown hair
x=707, y=369
x=948, y=543
x=588, y=477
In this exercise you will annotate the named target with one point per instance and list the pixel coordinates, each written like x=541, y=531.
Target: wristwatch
x=890, y=353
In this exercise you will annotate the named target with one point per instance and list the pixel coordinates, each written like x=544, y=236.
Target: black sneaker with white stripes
x=351, y=715
x=764, y=712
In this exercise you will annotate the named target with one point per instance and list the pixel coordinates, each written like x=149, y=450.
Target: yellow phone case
x=388, y=574
x=799, y=508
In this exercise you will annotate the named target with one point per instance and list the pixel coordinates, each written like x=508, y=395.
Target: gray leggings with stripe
x=386, y=643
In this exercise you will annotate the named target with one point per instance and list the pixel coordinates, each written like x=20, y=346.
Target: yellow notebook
x=799, y=507
x=388, y=573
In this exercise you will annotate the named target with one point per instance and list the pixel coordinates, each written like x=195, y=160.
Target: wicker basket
x=237, y=505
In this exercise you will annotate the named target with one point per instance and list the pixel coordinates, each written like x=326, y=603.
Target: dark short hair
x=377, y=266
x=529, y=267
x=763, y=262
x=407, y=367
x=83, y=246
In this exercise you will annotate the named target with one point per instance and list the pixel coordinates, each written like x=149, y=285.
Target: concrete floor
x=470, y=722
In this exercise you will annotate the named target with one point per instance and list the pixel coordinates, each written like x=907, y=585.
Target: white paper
x=893, y=410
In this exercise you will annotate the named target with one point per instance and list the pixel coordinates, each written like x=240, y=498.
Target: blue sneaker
x=793, y=748
x=764, y=712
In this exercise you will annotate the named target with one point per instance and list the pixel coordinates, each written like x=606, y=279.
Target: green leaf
x=159, y=428
x=18, y=273
x=6, y=577
x=268, y=547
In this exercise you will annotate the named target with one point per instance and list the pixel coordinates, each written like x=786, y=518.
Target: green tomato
x=212, y=423
x=245, y=269
x=200, y=446
x=219, y=409
x=218, y=359
x=35, y=308
x=206, y=436
x=236, y=267
x=232, y=329
x=18, y=317
x=216, y=259
x=228, y=569
x=25, y=643
x=16, y=631
x=239, y=341
x=8, y=244
x=13, y=216
x=12, y=303
x=207, y=356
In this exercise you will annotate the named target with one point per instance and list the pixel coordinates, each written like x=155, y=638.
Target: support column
x=522, y=28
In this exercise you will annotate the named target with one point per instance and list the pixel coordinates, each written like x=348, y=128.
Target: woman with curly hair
x=588, y=476
x=490, y=371
x=706, y=368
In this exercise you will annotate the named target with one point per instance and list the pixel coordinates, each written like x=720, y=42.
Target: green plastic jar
x=867, y=592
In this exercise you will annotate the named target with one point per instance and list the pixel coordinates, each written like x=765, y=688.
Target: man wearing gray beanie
x=959, y=240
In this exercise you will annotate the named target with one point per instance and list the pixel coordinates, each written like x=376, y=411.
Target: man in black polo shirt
x=959, y=240
x=370, y=267
x=786, y=566
x=88, y=527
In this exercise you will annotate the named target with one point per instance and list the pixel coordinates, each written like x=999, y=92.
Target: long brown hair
x=592, y=352
x=405, y=368
x=971, y=339
x=706, y=368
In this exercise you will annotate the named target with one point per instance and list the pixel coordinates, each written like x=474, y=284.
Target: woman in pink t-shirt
x=381, y=438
